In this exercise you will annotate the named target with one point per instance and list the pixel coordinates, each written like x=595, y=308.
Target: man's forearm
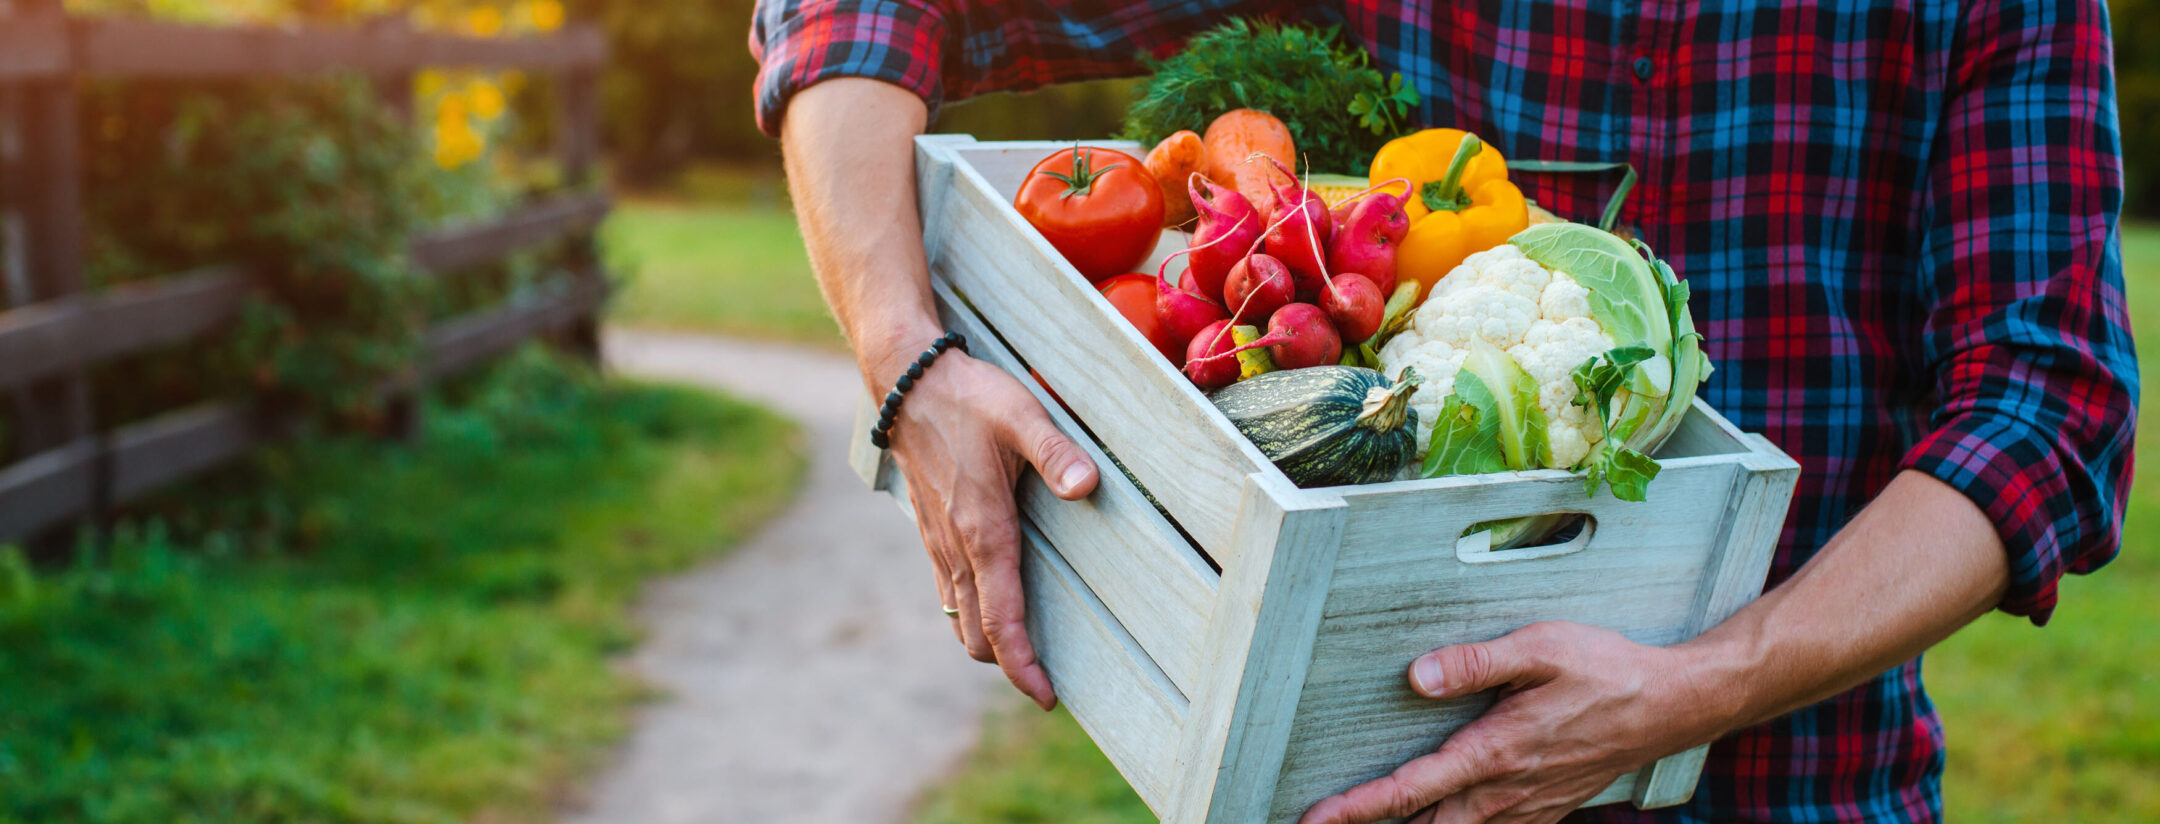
x=1918, y=563
x=851, y=170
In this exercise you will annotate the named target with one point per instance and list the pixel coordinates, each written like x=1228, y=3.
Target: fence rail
x=65, y=469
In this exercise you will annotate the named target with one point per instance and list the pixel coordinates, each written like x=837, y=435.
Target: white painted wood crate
x=1249, y=695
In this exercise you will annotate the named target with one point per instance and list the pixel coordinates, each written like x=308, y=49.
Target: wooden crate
x=1248, y=695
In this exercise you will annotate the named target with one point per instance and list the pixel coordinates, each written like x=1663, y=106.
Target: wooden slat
x=457, y=247
x=151, y=48
x=1020, y=284
x=1151, y=578
x=1739, y=568
x=465, y=342
x=71, y=333
x=47, y=488
x=33, y=45
x=1259, y=643
x=178, y=445
x=1111, y=685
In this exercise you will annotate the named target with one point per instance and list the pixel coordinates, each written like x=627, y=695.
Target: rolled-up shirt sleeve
x=2021, y=270
x=951, y=49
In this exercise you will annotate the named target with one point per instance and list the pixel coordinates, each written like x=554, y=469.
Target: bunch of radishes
x=1317, y=279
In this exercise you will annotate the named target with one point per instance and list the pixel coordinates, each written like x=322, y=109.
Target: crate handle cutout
x=1476, y=547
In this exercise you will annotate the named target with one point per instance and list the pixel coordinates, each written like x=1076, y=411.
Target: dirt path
x=808, y=676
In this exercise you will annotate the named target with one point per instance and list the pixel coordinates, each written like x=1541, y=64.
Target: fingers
x=1519, y=659
x=1004, y=624
x=1458, y=765
x=1063, y=466
x=970, y=618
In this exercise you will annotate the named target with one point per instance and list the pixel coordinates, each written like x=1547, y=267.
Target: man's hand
x=1579, y=707
x=967, y=427
x=963, y=437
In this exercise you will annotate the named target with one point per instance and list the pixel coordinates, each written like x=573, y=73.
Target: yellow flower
x=453, y=107
x=485, y=21
x=430, y=82
x=547, y=15
x=487, y=100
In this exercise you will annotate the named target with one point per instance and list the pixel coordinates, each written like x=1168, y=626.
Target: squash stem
x=1390, y=409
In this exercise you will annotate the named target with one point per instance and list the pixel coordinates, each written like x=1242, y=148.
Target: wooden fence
x=65, y=469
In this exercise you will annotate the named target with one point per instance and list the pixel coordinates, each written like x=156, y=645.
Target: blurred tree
x=679, y=87
x=2137, y=82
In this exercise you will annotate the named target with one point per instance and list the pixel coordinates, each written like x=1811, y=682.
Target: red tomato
x=1100, y=208
x=1134, y=297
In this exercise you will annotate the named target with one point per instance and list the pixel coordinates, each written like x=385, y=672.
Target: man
x=1898, y=223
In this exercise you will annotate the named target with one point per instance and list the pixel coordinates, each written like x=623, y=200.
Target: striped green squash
x=1327, y=425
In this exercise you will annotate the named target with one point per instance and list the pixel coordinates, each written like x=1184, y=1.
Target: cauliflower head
x=1541, y=318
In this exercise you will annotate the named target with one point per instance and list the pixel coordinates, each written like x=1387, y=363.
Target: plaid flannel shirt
x=1897, y=220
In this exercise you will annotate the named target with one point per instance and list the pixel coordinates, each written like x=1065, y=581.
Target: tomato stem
x=1084, y=174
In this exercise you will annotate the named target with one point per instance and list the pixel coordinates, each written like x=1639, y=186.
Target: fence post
x=401, y=406
x=43, y=175
x=577, y=136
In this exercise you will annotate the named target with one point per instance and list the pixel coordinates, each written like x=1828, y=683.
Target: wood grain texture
x=1102, y=676
x=1259, y=643
x=1151, y=578
x=1010, y=275
x=1111, y=685
x=1400, y=590
x=1739, y=567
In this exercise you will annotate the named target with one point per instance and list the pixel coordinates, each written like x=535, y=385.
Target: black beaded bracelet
x=881, y=434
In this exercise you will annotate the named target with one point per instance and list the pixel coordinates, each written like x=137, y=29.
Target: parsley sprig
x=1338, y=107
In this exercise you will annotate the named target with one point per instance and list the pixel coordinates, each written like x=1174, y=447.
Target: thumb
x=1063, y=466
x=1466, y=669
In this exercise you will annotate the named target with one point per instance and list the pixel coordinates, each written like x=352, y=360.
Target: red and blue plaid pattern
x=1898, y=221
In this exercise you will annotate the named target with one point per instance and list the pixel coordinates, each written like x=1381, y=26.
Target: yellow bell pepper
x=1457, y=207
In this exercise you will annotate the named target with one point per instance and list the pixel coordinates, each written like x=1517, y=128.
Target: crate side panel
x=1114, y=381
x=1259, y=642
x=1400, y=590
x=1125, y=704
x=1133, y=559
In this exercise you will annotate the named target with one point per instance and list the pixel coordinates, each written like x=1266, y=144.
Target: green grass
x=2053, y=724
x=397, y=634
x=720, y=263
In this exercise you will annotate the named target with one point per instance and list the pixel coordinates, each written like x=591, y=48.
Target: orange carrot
x=1173, y=162
x=1236, y=136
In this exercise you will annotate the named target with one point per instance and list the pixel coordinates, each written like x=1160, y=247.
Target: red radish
x=1229, y=228
x=1257, y=287
x=1367, y=232
x=1181, y=313
x=1299, y=336
x=1300, y=233
x=1355, y=305
x=1210, y=358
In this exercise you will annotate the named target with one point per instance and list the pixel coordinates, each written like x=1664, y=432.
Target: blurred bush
x=316, y=186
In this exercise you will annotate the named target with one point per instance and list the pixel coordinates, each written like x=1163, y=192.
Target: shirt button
x=1644, y=68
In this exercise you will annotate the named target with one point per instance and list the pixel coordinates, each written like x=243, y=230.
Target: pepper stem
x=1446, y=194
x=1386, y=410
